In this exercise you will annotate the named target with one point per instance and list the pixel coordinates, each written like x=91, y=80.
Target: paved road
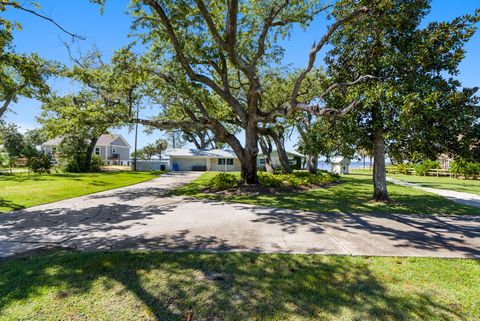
x=458, y=197
x=145, y=216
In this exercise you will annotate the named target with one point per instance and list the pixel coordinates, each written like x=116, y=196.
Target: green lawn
x=351, y=196
x=21, y=191
x=234, y=286
x=454, y=184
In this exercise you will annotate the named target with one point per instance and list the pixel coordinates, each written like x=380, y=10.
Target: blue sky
x=109, y=32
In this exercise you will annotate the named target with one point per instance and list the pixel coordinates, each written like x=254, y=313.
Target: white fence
x=151, y=165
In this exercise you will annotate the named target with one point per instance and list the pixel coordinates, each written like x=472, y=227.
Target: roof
x=210, y=153
x=53, y=142
x=291, y=152
x=103, y=140
x=338, y=159
x=295, y=153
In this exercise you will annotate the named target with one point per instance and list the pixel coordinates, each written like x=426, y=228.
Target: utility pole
x=135, y=152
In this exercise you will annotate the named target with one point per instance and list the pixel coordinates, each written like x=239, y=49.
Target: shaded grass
x=234, y=286
x=352, y=195
x=21, y=191
x=454, y=184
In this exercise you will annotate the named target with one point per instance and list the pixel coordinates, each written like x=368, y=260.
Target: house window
x=221, y=161
x=230, y=161
x=262, y=161
x=97, y=150
x=114, y=150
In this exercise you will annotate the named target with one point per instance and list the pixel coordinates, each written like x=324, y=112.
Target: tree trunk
x=249, y=159
x=88, y=158
x=266, y=147
x=312, y=163
x=282, y=154
x=380, y=192
x=4, y=107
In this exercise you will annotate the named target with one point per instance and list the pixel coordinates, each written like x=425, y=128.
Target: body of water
x=353, y=165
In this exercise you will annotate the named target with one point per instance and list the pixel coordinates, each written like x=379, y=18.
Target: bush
x=403, y=168
x=223, y=181
x=467, y=169
x=97, y=163
x=297, y=179
x=40, y=164
x=424, y=166
x=4, y=160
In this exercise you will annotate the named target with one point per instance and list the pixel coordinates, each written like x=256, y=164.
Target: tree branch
x=186, y=65
x=316, y=48
x=19, y=7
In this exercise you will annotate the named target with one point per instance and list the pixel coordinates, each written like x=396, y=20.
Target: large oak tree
x=214, y=54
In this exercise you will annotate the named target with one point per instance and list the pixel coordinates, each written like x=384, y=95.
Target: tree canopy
x=212, y=59
x=415, y=104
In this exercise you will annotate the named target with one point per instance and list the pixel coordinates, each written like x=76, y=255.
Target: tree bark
x=88, y=158
x=266, y=147
x=312, y=163
x=5, y=104
x=250, y=153
x=380, y=192
x=282, y=154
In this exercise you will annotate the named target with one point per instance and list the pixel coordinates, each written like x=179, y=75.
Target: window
x=114, y=150
x=230, y=161
x=221, y=161
x=97, y=150
x=262, y=161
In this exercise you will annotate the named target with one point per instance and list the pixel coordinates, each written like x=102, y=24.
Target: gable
x=120, y=141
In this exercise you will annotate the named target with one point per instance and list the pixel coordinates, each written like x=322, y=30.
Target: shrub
x=223, y=181
x=296, y=179
x=467, y=169
x=403, y=168
x=40, y=164
x=270, y=180
x=4, y=159
x=97, y=163
x=424, y=166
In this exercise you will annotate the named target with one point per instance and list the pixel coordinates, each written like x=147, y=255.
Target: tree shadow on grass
x=354, y=196
x=214, y=287
x=7, y=205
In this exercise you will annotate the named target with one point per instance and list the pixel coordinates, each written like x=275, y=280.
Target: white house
x=203, y=160
x=110, y=147
x=340, y=165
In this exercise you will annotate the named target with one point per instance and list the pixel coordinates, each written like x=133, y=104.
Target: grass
x=236, y=286
x=21, y=191
x=454, y=184
x=351, y=196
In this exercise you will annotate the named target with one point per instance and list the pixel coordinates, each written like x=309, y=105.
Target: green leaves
x=422, y=110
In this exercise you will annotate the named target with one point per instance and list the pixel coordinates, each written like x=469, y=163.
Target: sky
x=110, y=31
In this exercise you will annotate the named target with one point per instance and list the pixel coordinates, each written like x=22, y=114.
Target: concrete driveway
x=145, y=216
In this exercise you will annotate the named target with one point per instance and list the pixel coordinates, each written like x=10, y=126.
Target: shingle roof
x=106, y=139
x=211, y=153
x=53, y=142
x=103, y=140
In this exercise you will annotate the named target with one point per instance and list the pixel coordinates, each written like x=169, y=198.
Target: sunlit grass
x=454, y=184
x=234, y=286
x=21, y=191
x=352, y=195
